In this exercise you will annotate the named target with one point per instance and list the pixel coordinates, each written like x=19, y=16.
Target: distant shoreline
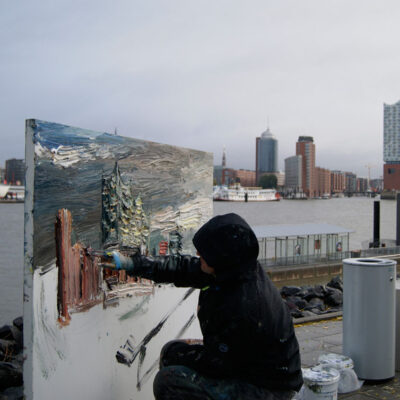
x=10, y=201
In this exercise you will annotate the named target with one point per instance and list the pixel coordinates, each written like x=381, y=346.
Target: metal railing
x=316, y=259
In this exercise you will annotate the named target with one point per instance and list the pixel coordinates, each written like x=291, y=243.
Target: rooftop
x=298, y=230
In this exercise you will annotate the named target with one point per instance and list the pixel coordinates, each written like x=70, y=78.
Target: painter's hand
x=123, y=262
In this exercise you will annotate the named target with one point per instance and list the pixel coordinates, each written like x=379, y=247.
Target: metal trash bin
x=369, y=307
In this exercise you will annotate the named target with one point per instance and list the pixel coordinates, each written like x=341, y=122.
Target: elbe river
x=355, y=213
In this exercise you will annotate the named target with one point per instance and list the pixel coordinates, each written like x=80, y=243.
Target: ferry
x=11, y=193
x=239, y=193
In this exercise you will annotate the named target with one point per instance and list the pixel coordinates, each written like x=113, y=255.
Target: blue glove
x=123, y=262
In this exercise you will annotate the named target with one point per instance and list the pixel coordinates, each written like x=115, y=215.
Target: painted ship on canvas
x=239, y=193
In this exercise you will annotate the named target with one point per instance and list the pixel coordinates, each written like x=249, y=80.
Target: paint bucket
x=320, y=383
x=348, y=381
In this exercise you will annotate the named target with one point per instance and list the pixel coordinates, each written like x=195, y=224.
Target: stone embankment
x=310, y=302
x=11, y=359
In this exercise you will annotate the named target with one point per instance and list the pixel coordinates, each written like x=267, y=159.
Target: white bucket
x=320, y=383
x=348, y=381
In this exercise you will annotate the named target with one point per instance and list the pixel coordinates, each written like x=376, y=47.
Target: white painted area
x=78, y=361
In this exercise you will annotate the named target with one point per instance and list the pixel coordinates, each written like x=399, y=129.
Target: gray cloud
x=205, y=74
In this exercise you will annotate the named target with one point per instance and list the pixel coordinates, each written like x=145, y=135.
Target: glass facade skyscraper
x=266, y=153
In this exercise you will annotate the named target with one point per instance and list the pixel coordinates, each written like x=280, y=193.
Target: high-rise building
x=391, y=146
x=306, y=148
x=266, y=154
x=351, y=182
x=15, y=171
x=338, y=182
x=323, y=181
x=293, y=174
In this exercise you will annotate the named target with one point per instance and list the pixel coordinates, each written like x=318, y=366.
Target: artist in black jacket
x=249, y=348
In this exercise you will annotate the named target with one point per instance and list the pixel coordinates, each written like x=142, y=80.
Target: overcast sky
x=205, y=74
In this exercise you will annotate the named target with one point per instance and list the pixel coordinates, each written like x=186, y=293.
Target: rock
x=8, y=347
x=298, y=301
x=336, y=283
x=297, y=314
x=290, y=304
x=316, y=311
x=6, y=332
x=10, y=375
x=19, y=323
x=316, y=302
x=287, y=291
x=12, y=393
x=304, y=290
x=316, y=291
x=307, y=313
x=334, y=298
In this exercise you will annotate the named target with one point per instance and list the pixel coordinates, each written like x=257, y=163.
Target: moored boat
x=239, y=193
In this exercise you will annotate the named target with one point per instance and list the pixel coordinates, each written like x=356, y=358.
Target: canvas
x=90, y=331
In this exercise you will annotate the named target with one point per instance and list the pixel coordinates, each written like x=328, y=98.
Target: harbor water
x=355, y=213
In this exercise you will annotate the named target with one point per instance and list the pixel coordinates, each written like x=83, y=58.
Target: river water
x=354, y=213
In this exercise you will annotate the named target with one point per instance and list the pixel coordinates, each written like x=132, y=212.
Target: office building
x=351, y=182
x=266, y=154
x=245, y=177
x=322, y=181
x=338, y=182
x=306, y=148
x=293, y=174
x=15, y=171
x=391, y=146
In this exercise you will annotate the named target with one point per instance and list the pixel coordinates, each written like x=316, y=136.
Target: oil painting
x=91, y=331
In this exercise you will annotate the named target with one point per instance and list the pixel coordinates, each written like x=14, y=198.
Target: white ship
x=10, y=193
x=239, y=193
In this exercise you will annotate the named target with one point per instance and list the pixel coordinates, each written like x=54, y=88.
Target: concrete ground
x=326, y=337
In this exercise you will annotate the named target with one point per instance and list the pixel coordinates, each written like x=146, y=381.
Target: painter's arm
x=181, y=270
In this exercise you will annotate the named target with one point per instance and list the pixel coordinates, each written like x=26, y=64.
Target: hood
x=226, y=242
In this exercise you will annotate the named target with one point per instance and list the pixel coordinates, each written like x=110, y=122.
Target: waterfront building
x=306, y=148
x=245, y=177
x=293, y=174
x=362, y=185
x=218, y=175
x=338, y=182
x=351, y=182
x=323, y=181
x=2, y=174
x=391, y=146
x=15, y=171
x=376, y=184
x=266, y=154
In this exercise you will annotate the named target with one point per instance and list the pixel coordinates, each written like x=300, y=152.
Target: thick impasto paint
x=91, y=332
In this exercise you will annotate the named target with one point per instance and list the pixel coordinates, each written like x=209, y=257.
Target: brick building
x=338, y=182
x=323, y=181
x=306, y=148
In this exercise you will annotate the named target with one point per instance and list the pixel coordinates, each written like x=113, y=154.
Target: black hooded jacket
x=247, y=330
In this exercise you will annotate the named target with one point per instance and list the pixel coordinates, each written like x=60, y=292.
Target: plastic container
x=348, y=381
x=369, y=316
x=320, y=383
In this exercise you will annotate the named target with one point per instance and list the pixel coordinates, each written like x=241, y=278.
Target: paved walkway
x=326, y=337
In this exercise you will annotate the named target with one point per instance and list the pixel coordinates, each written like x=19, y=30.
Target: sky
x=205, y=74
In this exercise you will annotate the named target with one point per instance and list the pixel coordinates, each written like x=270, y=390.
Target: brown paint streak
x=78, y=276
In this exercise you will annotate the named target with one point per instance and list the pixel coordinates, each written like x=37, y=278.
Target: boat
x=11, y=193
x=240, y=193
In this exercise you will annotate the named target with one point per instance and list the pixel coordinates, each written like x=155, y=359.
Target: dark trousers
x=177, y=382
